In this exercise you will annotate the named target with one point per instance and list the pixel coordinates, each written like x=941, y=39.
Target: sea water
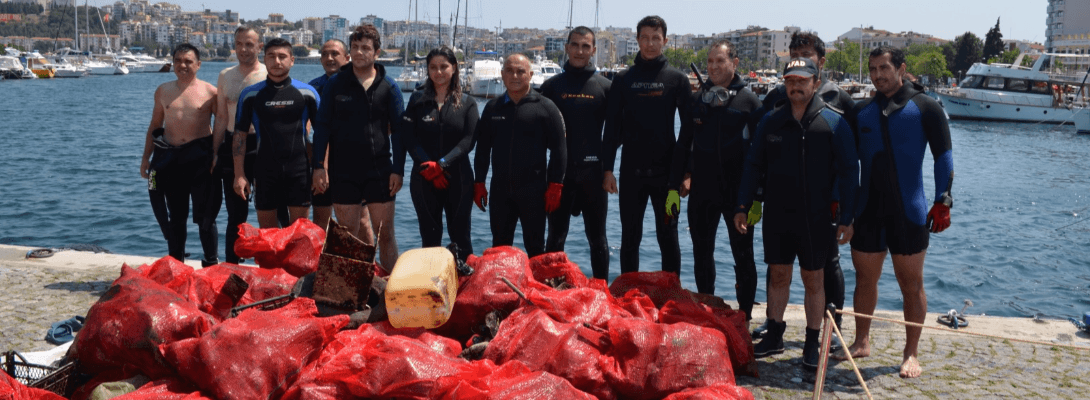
x=1019, y=244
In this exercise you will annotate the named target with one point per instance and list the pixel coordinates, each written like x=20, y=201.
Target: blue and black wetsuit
x=642, y=103
x=361, y=127
x=324, y=199
x=802, y=162
x=713, y=150
x=581, y=94
x=893, y=134
x=445, y=136
x=841, y=102
x=279, y=112
x=514, y=138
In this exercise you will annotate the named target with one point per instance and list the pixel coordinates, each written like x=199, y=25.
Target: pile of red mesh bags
x=294, y=249
x=11, y=389
x=257, y=355
x=510, y=381
x=165, y=389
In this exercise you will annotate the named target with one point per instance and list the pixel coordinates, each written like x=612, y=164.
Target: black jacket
x=360, y=126
x=834, y=97
x=580, y=94
x=445, y=136
x=515, y=137
x=713, y=147
x=642, y=103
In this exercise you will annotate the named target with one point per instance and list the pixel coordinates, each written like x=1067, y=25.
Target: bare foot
x=858, y=350
x=910, y=368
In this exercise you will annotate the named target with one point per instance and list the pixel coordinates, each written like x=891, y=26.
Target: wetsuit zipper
x=883, y=120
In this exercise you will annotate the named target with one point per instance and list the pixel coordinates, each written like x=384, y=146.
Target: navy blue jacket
x=360, y=126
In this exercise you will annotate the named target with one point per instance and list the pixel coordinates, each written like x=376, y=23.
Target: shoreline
x=45, y=290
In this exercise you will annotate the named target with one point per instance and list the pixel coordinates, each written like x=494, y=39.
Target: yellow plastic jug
x=422, y=288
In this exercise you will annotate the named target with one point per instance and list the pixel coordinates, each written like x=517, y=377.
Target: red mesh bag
x=264, y=283
x=659, y=286
x=129, y=322
x=731, y=323
x=12, y=389
x=114, y=375
x=639, y=305
x=714, y=392
x=511, y=381
x=442, y=345
x=256, y=355
x=651, y=361
x=556, y=265
x=579, y=305
x=295, y=249
x=484, y=291
x=197, y=288
x=165, y=389
x=568, y=350
x=367, y=363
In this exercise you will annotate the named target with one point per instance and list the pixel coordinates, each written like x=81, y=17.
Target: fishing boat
x=1044, y=92
x=40, y=66
x=486, y=81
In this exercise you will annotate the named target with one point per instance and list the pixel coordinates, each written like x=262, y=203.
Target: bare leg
x=382, y=221
x=295, y=213
x=868, y=268
x=366, y=232
x=909, y=271
x=779, y=290
x=814, y=302
x=348, y=215
x=267, y=219
x=321, y=216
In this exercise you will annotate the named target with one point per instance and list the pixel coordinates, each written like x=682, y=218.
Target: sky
x=1020, y=19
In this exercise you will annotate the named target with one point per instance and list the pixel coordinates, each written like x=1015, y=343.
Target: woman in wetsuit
x=440, y=121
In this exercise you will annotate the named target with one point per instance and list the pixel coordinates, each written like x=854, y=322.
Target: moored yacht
x=486, y=81
x=1001, y=92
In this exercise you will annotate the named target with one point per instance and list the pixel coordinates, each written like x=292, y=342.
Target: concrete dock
x=38, y=292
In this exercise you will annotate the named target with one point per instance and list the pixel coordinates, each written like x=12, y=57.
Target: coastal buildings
x=1068, y=26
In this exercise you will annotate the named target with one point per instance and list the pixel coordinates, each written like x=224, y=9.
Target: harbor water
x=1019, y=244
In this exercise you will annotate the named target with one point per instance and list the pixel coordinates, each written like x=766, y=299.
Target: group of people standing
x=553, y=153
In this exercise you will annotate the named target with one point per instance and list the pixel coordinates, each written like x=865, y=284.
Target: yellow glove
x=754, y=214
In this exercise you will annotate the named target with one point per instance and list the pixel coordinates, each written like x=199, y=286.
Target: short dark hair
x=896, y=56
x=364, y=32
x=277, y=42
x=244, y=29
x=651, y=21
x=725, y=43
x=801, y=39
x=344, y=47
x=582, y=31
x=184, y=47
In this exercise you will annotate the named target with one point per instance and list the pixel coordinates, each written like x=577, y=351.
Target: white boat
x=12, y=68
x=543, y=70
x=486, y=81
x=1011, y=93
x=411, y=78
x=66, y=69
x=100, y=67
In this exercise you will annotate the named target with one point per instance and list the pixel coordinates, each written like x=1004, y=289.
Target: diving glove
x=754, y=214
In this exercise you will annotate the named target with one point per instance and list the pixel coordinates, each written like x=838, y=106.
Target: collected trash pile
x=518, y=328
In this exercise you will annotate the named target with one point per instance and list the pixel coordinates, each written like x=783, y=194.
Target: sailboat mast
x=465, y=26
x=439, y=18
x=75, y=17
x=596, y=3
x=454, y=36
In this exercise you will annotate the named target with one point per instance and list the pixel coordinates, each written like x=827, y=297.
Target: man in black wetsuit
x=805, y=150
x=513, y=134
x=642, y=104
x=809, y=45
x=334, y=57
x=360, y=122
x=709, y=153
x=580, y=94
x=278, y=109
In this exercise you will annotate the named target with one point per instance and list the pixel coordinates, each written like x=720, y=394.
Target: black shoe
x=772, y=341
x=759, y=332
x=811, y=351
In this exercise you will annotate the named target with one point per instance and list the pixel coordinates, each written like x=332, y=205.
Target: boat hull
x=1082, y=122
x=487, y=88
x=966, y=108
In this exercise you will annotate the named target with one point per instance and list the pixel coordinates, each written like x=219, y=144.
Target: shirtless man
x=184, y=155
x=230, y=84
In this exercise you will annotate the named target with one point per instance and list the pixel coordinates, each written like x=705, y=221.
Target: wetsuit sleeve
x=847, y=169
x=397, y=105
x=409, y=126
x=483, y=154
x=312, y=111
x=612, y=138
x=557, y=143
x=682, y=149
x=321, y=124
x=244, y=112
x=469, y=134
x=937, y=129
x=754, y=168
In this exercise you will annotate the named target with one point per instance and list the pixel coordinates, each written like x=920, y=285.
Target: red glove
x=440, y=182
x=833, y=207
x=430, y=170
x=480, y=195
x=938, y=219
x=552, y=197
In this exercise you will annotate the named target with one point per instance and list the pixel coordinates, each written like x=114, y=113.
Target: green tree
x=928, y=64
x=1007, y=57
x=223, y=51
x=300, y=51
x=845, y=59
x=680, y=58
x=43, y=46
x=993, y=42
x=969, y=50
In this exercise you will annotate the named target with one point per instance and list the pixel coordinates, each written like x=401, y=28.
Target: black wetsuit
x=713, y=150
x=361, y=127
x=803, y=162
x=324, y=199
x=514, y=137
x=445, y=136
x=580, y=94
x=179, y=174
x=640, y=117
x=238, y=208
x=279, y=112
x=841, y=102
